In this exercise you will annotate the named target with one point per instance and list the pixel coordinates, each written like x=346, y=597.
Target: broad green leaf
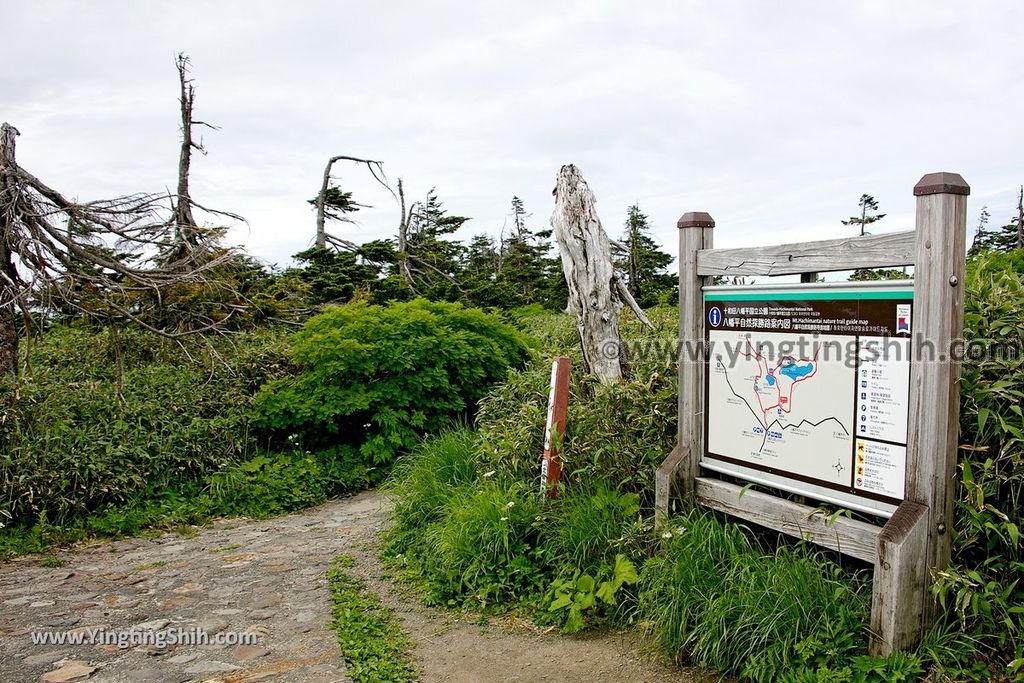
x=625, y=571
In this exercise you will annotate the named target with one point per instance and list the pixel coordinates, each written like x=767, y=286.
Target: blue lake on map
x=795, y=372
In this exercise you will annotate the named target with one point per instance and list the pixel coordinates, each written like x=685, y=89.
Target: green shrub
x=676, y=584
x=718, y=601
x=615, y=433
x=376, y=377
x=267, y=485
x=423, y=482
x=73, y=442
x=983, y=589
x=583, y=595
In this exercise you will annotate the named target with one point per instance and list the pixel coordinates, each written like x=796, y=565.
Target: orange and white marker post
x=558, y=405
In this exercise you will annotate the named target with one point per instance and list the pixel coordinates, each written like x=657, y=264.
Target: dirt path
x=262, y=581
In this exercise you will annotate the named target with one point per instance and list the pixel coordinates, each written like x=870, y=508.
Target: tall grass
x=423, y=483
x=716, y=599
x=590, y=524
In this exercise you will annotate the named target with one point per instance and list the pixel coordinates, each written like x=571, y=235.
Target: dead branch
x=101, y=258
x=376, y=169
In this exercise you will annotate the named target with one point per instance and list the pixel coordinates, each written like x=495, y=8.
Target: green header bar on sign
x=815, y=295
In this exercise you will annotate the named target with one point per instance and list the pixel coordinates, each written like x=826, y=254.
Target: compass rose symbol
x=838, y=467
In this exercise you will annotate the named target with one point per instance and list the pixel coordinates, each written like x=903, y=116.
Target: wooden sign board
x=876, y=436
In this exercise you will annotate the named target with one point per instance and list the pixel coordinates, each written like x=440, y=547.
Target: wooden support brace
x=900, y=581
x=848, y=536
x=847, y=253
x=664, y=478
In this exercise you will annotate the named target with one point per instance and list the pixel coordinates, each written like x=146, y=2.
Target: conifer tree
x=868, y=214
x=642, y=262
x=1005, y=238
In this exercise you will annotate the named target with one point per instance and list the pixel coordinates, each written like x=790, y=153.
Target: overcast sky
x=773, y=117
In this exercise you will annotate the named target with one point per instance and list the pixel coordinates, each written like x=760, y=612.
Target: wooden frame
x=916, y=537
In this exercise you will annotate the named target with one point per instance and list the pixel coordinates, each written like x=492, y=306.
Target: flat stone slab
x=236, y=600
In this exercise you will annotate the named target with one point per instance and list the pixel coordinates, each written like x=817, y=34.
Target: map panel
x=811, y=386
x=785, y=412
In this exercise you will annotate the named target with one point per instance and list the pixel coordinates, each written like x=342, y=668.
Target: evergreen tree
x=434, y=261
x=868, y=206
x=1005, y=238
x=523, y=263
x=479, y=277
x=332, y=276
x=868, y=214
x=519, y=216
x=338, y=204
x=643, y=263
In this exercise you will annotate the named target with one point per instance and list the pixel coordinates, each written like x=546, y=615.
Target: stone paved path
x=264, y=580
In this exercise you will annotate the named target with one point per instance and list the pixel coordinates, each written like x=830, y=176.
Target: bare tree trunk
x=8, y=276
x=321, y=210
x=184, y=221
x=376, y=169
x=634, y=269
x=8, y=316
x=404, y=269
x=596, y=294
x=1020, y=218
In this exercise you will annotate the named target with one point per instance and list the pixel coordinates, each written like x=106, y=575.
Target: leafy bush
x=99, y=420
x=483, y=546
x=616, y=433
x=984, y=587
x=376, y=377
x=583, y=593
x=589, y=526
x=423, y=483
x=266, y=485
x=675, y=584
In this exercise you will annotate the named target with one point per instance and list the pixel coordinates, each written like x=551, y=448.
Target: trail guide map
x=812, y=385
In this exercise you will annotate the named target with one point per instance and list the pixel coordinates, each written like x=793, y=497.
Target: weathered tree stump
x=596, y=294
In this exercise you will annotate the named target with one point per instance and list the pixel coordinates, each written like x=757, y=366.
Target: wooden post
x=558, y=407
x=938, y=320
x=899, y=586
x=696, y=232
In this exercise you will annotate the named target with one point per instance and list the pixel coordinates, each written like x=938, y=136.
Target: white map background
x=793, y=414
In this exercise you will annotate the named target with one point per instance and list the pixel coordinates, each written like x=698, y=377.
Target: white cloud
x=773, y=117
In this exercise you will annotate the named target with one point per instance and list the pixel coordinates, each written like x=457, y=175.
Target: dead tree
x=190, y=239
x=405, y=218
x=376, y=169
x=596, y=293
x=419, y=255
x=62, y=254
x=1020, y=218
